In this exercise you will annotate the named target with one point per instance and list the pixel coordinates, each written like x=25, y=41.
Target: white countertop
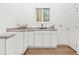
x=6, y=35
x=29, y=29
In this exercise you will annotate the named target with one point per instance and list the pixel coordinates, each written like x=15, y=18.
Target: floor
x=60, y=50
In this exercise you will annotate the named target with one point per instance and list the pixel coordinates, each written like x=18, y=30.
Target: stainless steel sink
x=42, y=27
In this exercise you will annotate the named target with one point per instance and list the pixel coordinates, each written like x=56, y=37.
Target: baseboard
x=25, y=51
x=77, y=52
x=42, y=46
x=72, y=49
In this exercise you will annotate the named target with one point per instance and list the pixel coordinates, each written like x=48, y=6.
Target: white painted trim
x=23, y=51
x=42, y=20
x=78, y=52
x=42, y=46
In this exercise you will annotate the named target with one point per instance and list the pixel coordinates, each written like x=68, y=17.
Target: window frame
x=42, y=16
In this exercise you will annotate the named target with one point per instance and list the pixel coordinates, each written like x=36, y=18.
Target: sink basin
x=43, y=28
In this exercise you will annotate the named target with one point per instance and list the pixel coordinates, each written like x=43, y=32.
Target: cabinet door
x=53, y=39
x=20, y=40
x=30, y=37
x=25, y=40
x=38, y=39
x=2, y=46
x=46, y=38
x=14, y=45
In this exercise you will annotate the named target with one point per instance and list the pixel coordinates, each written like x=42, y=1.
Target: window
x=42, y=14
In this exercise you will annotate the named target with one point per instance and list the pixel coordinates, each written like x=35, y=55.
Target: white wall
x=64, y=14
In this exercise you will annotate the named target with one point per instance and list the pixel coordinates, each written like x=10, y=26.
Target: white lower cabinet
x=30, y=37
x=2, y=46
x=46, y=38
x=25, y=35
x=15, y=44
x=38, y=39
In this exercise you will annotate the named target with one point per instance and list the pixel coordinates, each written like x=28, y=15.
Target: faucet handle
x=42, y=25
x=53, y=26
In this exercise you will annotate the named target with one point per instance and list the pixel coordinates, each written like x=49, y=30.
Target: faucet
x=53, y=26
x=41, y=25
